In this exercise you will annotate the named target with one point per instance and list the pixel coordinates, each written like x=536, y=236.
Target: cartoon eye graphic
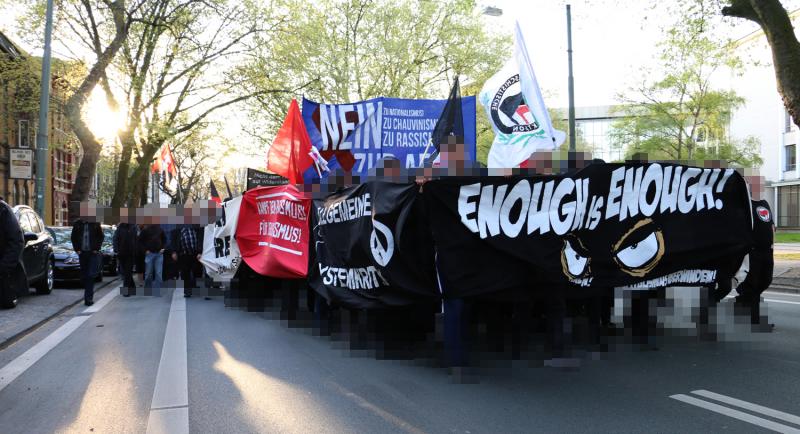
x=640, y=249
x=573, y=263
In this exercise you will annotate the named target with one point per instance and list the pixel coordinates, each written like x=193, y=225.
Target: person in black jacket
x=761, y=264
x=187, y=250
x=153, y=240
x=125, y=239
x=87, y=238
x=11, y=246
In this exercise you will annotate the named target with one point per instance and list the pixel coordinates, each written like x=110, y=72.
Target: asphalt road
x=145, y=364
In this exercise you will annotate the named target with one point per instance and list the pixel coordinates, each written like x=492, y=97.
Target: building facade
x=764, y=116
x=18, y=129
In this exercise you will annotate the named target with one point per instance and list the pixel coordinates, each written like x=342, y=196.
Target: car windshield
x=61, y=236
x=108, y=238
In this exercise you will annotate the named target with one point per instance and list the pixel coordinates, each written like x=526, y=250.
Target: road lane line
x=781, y=294
x=169, y=409
x=102, y=302
x=770, y=300
x=16, y=367
x=776, y=414
x=736, y=414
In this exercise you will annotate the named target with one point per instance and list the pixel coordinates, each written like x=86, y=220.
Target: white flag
x=516, y=110
x=221, y=256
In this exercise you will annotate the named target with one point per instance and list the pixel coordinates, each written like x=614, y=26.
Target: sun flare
x=101, y=119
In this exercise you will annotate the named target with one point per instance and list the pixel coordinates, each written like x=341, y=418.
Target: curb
x=8, y=342
x=783, y=288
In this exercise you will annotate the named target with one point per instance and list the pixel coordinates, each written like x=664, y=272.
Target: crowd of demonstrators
x=87, y=239
x=11, y=246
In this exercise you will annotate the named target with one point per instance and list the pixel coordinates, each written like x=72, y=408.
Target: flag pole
x=570, y=82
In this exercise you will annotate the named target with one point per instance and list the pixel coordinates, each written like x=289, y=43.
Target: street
x=169, y=364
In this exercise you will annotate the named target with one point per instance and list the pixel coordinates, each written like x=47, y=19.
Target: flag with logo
x=516, y=111
x=290, y=154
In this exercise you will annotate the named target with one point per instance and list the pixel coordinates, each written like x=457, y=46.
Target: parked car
x=66, y=263
x=37, y=255
x=107, y=250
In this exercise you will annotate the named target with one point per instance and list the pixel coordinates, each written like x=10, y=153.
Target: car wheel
x=45, y=286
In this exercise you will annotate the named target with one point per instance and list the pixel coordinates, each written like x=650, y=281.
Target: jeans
x=153, y=263
x=89, y=269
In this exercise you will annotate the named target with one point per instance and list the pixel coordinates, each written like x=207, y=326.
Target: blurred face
x=756, y=183
x=453, y=154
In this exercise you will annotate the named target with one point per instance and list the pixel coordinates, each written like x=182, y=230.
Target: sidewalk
x=34, y=310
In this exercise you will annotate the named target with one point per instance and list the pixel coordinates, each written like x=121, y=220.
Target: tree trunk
x=74, y=108
x=775, y=22
x=121, y=195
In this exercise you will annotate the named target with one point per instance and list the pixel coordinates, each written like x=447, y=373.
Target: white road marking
x=781, y=294
x=16, y=367
x=102, y=302
x=736, y=414
x=169, y=410
x=770, y=300
x=749, y=406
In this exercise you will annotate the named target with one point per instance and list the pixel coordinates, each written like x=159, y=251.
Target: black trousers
x=757, y=281
x=126, y=269
x=187, y=265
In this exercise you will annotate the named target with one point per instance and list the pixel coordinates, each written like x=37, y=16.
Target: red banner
x=273, y=232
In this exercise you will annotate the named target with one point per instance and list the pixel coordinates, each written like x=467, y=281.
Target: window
x=790, y=156
x=787, y=122
x=35, y=226
x=24, y=223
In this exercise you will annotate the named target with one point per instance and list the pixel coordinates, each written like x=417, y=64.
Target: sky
x=613, y=42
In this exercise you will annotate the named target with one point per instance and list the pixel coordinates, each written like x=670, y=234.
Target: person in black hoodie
x=125, y=240
x=11, y=245
x=761, y=260
x=152, y=239
x=87, y=238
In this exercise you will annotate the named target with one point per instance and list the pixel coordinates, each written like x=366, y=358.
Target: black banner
x=257, y=178
x=373, y=247
x=634, y=225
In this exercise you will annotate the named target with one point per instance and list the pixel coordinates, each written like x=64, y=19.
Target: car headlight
x=72, y=259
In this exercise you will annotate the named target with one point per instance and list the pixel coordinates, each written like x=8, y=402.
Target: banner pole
x=571, y=83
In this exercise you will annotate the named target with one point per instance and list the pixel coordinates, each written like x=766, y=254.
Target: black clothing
x=188, y=270
x=763, y=225
x=96, y=235
x=125, y=240
x=761, y=261
x=152, y=238
x=11, y=240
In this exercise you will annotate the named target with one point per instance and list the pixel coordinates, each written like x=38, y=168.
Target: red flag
x=215, y=194
x=165, y=163
x=289, y=155
x=273, y=232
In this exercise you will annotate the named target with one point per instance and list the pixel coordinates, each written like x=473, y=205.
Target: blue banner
x=372, y=129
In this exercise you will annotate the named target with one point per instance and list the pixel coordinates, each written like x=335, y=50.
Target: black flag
x=450, y=123
x=230, y=195
x=214, y=193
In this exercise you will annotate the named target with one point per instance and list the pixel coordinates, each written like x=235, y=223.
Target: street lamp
x=44, y=104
